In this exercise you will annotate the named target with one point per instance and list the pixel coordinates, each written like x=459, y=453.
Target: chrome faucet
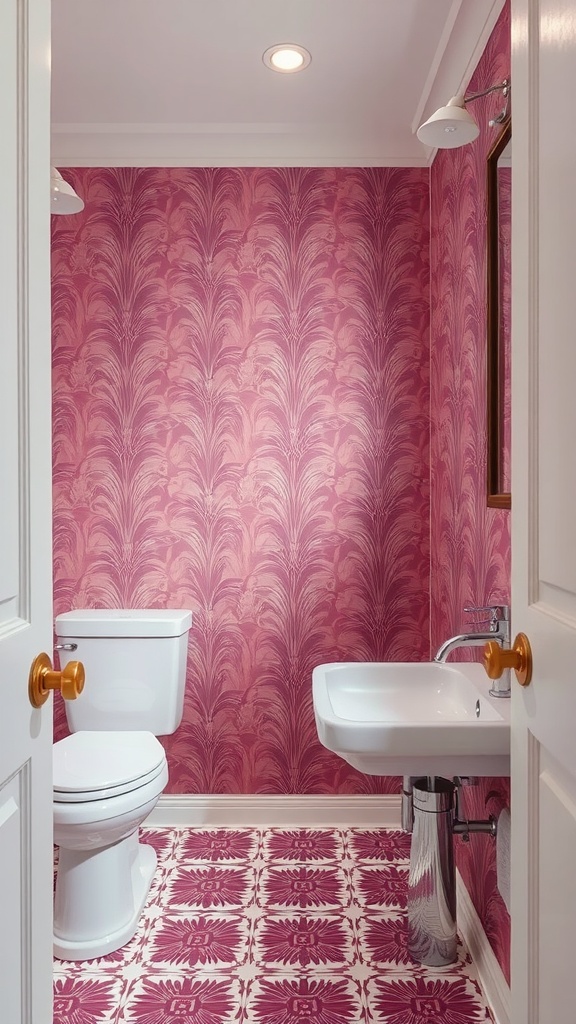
x=498, y=621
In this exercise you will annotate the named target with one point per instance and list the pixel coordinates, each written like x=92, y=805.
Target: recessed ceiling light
x=287, y=58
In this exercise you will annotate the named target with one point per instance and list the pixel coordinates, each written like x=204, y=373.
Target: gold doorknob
x=43, y=678
x=518, y=657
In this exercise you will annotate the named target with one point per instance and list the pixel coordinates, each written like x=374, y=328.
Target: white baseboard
x=181, y=810
x=494, y=984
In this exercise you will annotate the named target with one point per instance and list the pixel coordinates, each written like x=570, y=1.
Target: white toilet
x=109, y=773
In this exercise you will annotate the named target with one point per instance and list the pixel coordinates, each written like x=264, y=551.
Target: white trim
x=182, y=810
x=468, y=29
x=482, y=42
x=436, y=63
x=494, y=984
x=245, y=145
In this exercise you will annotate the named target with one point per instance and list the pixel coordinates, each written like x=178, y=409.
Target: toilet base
x=84, y=902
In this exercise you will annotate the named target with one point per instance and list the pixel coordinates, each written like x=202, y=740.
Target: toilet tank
x=135, y=663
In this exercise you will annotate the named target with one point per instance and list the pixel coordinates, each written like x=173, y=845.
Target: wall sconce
x=63, y=198
x=452, y=126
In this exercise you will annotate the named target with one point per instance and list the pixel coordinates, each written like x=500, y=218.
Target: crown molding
x=249, y=145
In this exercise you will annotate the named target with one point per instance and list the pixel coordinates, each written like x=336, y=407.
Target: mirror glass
x=499, y=223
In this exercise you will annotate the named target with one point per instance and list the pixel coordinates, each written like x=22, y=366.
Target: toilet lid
x=105, y=762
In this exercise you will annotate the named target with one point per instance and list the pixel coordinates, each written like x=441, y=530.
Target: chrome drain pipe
x=432, y=878
x=431, y=885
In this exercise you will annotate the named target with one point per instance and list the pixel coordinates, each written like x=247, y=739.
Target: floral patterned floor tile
x=378, y=845
x=302, y=845
x=322, y=941
x=85, y=999
x=295, y=999
x=200, y=999
x=380, y=886
x=407, y=1000
x=271, y=926
x=186, y=942
x=319, y=888
x=209, y=887
x=218, y=846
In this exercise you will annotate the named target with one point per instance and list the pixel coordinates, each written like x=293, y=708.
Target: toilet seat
x=85, y=795
x=90, y=766
x=106, y=813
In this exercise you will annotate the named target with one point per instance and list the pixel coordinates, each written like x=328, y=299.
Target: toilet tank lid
x=124, y=622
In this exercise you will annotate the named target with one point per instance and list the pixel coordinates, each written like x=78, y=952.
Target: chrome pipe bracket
x=468, y=828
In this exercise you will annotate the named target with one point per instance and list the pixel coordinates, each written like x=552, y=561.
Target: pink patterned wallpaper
x=470, y=543
x=241, y=427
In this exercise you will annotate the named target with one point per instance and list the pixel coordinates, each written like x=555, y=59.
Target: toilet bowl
x=105, y=785
x=109, y=774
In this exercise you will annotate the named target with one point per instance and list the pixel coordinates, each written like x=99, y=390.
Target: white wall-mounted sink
x=404, y=718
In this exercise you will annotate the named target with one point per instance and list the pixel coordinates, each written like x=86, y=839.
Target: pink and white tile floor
x=273, y=926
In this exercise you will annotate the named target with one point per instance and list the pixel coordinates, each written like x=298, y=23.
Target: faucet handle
x=497, y=621
x=498, y=612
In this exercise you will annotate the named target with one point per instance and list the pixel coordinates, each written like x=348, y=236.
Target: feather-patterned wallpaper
x=241, y=427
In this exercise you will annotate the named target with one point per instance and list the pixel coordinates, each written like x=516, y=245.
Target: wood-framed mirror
x=498, y=234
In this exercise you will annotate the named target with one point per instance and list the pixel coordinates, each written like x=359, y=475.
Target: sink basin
x=404, y=718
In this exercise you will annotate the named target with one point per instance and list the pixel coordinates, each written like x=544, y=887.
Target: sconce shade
x=451, y=126
x=63, y=198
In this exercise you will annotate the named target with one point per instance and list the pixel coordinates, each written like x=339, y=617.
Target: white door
x=25, y=520
x=544, y=510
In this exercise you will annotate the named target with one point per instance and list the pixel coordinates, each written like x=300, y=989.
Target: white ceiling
x=181, y=82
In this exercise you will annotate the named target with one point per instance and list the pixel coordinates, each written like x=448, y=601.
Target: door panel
x=543, y=509
x=25, y=521
x=557, y=892
x=14, y=817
